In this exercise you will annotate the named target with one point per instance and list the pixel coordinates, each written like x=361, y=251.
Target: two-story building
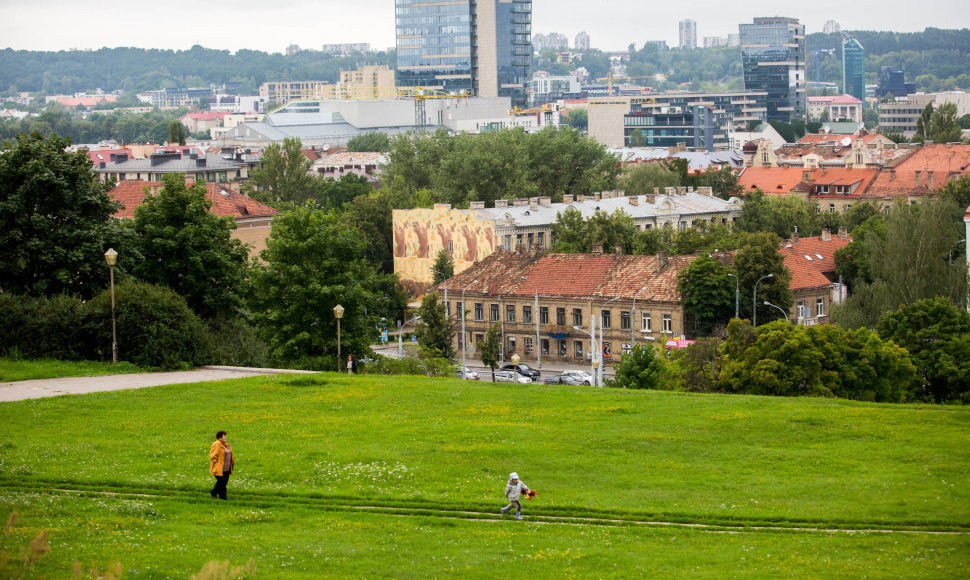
x=814, y=283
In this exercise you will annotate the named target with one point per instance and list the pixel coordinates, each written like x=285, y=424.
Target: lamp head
x=111, y=257
x=338, y=311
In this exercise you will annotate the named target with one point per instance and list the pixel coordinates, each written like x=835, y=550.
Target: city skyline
x=257, y=25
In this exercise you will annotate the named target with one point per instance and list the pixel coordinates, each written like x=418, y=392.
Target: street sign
x=606, y=350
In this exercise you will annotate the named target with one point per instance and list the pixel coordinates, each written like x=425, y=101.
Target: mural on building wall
x=420, y=234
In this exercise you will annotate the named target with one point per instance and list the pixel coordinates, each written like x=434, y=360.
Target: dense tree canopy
x=369, y=142
x=757, y=259
x=283, y=174
x=433, y=330
x=707, y=293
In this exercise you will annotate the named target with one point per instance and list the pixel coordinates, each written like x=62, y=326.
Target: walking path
x=39, y=388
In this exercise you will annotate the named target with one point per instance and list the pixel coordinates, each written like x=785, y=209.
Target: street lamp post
x=111, y=257
x=535, y=314
x=633, y=320
x=602, y=364
x=737, y=295
x=400, y=333
x=766, y=303
x=754, y=306
x=464, y=346
x=338, y=311
x=592, y=345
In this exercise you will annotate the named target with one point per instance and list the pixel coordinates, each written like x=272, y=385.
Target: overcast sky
x=271, y=26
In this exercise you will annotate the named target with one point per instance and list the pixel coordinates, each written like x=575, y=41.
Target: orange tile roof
x=574, y=275
x=225, y=202
x=947, y=162
x=820, y=137
x=771, y=180
x=832, y=176
x=812, y=260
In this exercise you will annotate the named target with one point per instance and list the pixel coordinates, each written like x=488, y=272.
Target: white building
x=688, y=34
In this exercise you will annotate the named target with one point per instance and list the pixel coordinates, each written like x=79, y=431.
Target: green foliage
x=369, y=142
x=156, y=327
x=176, y=132
x=939, y=125
x=489, y=348
x=937, y=335
x=183, y=245
x=312, y=263
x=434, y=331
x=41, y=327
x=641, y=369
x=54, y=218
x=19, y=369
x=957, y=192
x=235, y=342
x=337, y=193
x=723, y=181
x=444, y=267
x=579, y=119
x=774, y=213
x=757, y=257
x=642, y=178
x=372, y=215
x=429, y=366
x=573, y=234
x=650, y=241
x=283, y=175
x=706, y=293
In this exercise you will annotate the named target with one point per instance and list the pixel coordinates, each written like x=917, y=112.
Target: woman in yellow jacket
x=220, y=464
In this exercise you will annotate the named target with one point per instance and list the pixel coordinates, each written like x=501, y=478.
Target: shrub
x=42, y=327
x=384, y=365
x=234, y=342
x=156, y=328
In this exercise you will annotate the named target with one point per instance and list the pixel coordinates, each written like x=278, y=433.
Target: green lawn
x=24, y=370
x=123, y=475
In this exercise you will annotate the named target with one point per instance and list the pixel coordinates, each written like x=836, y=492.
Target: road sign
x=606, y=350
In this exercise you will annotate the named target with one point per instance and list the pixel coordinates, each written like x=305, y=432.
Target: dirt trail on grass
x=422, y=509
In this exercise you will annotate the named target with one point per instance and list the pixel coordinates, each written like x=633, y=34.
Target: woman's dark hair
x=219, y=434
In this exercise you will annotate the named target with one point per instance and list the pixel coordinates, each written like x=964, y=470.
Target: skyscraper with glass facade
x=773, y=60
x=853, y=68
x=480, y=46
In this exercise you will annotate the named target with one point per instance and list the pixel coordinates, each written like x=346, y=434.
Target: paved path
x=36, y=389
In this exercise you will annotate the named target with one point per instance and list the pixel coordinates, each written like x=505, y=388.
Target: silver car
x=510, y=377
x=467, y=374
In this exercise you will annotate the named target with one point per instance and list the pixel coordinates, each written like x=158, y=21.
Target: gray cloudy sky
x=271, y=26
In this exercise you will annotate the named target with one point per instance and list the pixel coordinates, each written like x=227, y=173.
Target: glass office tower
x=773, y=60
x=483, y=47
x=853, y=68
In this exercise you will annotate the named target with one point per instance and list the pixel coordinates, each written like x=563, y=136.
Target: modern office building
x=482, y=47
x=672, y=126
x=853, y=68
x=773, y=60
x=892, y=82
x=902, y=115
x=688, y=34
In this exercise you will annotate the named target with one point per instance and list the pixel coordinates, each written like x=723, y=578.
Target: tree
x=570, y=232
x=373, y=218
x=433, y=331
x=924, y=123
x=956, y=191
x=186, y=247
x=579, y=119
x=641, y=369
x=312, y=263
x=944, y=127
x=176, y=132
x=283, y=174
x=637, y=139
x=444, y=267
x=706, y=293
x=336, y=193
x=774, y=213
x=937, y=335
x=369, y=142
x=642, y=178
x=611, y=230
x=489, y=348
x=723, y=181
x=756, y=258
x=54, y=219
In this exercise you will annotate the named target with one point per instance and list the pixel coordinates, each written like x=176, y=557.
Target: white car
x=582, y=377
x=467, y=374
x=510, y=377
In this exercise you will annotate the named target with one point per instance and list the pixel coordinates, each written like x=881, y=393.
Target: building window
x=578, y=348
x=819, y=307
x=831, y=208
x=624, y=320
x=542, y=241
x=562, y=348
x=508, y=243
x=531, y=240
x=683, y=225
x=668, y=324
x=802, y=309
x=528, y=345
x=543, y=315
x=645, y=322
x=460, y=309
x=561, y=316
x=494, y=312
x=511, y=347
x=545, y=347
x=526, y=314
x=479, y=312
x=510, y=313
x=606, y=319
x=451, y=246
x=577, y=316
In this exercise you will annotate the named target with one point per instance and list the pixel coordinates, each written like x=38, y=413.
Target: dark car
x=524, y=370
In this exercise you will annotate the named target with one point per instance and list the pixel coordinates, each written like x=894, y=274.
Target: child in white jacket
x=513, y=490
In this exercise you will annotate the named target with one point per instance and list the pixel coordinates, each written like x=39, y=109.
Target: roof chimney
x=826, y=235
x=545, y=201
x=843, y=233
x=597, y=249
x=661, y=261
x=618, y=249
x=670, y=191
x=501, y=203
x=651, y=198
x=706, y=190
x=533, y=203
x=681, y=190
x=634, y=200
x=656, y=191
x=807, y=176
x=567, y=199
x=476, y=205
x=580, y=198
x=794, y=236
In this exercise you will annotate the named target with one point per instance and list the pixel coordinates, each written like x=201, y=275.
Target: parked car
x=577, y=377
x=510, y=377
x=467, y=374
x=523, y=369
x=566, y=379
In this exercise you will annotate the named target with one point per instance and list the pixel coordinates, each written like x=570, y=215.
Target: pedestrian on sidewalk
x=221, y=462
x=351, y=364
x=514, y=489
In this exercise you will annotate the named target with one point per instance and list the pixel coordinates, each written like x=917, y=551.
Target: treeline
x=139, y=69
x=122, y=126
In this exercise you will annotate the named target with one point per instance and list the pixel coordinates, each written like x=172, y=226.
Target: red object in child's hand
x=532, y=493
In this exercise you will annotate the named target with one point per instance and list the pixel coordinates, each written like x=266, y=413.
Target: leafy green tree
x=773, y=213
x=706, y=293
x=641, y=369
x=579, y=119
x=336, y=193
x=611, y=230
x=924, y=123
x=637, y=139
x=369, y=142
x=489, y=348
x=312, y=262
x=723, y=181
x=283, y=174
x=756, y=258
x=373, y=218
x=571, y=232
x=176, y=132
x=641, y=179
x=956, y=191
x=944, y=127
x=937, y=335
x=650, y=241
x=444, y=267
x=433, y=330
x=184, y=246
x=54, y=219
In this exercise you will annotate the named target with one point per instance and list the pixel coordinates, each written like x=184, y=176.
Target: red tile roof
x=86, y=101
x=812, y=260
x=832, y=176
x=947, y=162
x=820, y=138
x=776, y=180
x=783, y=180
x=106, y=154
x=310, y=154
x=225, y=202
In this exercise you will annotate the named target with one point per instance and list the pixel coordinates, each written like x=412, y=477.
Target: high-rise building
x=853, y=68
x=715, y=41
x=734, y=39
x=582, y=41
x=483, y=47
x=688, y=34
x=831, y=27
x=773, y=60
x=892, y=82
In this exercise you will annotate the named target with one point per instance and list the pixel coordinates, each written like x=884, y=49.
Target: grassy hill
x=372, y=476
